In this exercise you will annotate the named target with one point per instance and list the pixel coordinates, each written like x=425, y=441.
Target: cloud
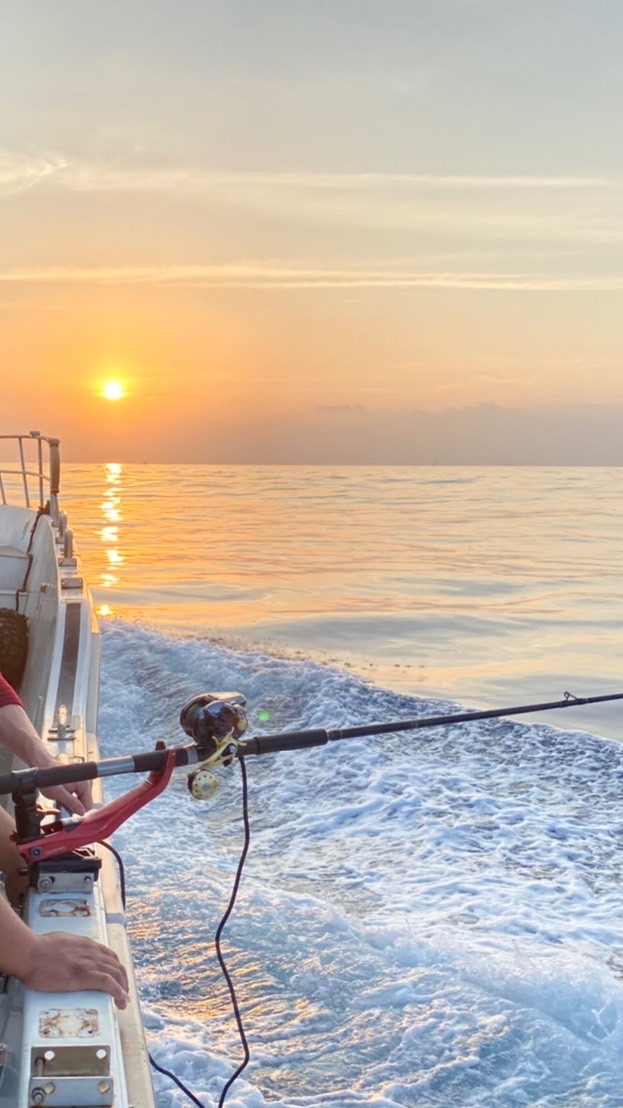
x=22, y=172
x=57, y=171
x=441, y=216
x=120, y=179
x=492, y=208
x=576, y=435
x=267, y=275
x=487, y=434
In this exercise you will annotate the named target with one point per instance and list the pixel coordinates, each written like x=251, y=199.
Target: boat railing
x=31, y=475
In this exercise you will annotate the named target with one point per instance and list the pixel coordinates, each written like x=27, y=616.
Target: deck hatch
x=68, y=1023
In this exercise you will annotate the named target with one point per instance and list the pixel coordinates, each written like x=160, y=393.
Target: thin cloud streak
x=259, y=276
x=510, y=209
x=103, y=178
x=19, y=171
x=23, y=172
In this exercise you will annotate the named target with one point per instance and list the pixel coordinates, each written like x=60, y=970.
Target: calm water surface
x=488, y=586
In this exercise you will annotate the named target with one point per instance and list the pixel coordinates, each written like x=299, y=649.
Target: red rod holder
x=63, y=836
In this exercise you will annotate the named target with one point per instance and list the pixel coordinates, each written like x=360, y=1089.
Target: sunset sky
x=313, y=230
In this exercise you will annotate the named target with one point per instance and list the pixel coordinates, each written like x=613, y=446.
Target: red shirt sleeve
x=8, y=694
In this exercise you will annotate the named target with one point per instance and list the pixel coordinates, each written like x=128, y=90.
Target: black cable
x=217, y=940
x=152, y=1061
x=121, y=869
x=217, y=944
x=221, y=960
x=180, y=1084
x=219, y=953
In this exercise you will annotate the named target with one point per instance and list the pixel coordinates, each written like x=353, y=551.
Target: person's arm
x=12, y=864
x=18, y=734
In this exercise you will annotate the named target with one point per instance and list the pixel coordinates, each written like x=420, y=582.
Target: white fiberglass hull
x=64, y=1049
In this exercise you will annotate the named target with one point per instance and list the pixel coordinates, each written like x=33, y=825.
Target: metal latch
x=71, y=1076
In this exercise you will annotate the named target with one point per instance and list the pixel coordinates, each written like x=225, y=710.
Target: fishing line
x=219, y=954
x=219, y=932
x=180, y=1084
x=152, y=1061
x=121, y=868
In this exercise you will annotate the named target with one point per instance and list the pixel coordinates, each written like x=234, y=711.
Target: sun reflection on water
x=111, y=508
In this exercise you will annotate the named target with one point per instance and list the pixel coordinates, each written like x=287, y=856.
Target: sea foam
x=424, y=919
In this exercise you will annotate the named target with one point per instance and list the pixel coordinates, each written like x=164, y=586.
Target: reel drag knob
x=202, y=784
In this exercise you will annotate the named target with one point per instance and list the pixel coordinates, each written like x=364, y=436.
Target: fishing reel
x=216, y=721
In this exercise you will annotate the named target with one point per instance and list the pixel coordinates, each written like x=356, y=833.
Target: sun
x=113, y=390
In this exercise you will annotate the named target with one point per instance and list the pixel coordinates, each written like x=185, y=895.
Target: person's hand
x=18, y=733
x=76, y=798
x=60, y=962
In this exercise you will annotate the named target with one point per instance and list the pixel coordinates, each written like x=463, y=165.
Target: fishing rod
x=217, y=723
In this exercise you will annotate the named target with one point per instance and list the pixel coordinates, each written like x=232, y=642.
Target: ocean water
x=432, y=918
